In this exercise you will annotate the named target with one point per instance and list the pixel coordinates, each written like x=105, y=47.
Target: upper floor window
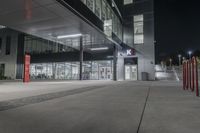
x=90, y=4
x=98, y=8
x=138, y=29
x=103, y=11
x=126, y=2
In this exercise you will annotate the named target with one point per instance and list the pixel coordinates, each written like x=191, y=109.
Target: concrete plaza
x=98, y=107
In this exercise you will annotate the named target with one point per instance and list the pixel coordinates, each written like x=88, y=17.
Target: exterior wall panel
x=11, y=59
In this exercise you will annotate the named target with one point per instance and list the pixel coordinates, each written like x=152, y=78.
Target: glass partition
x=92, y=70
x=95, y=70
x=87, y=70
x=35, y=45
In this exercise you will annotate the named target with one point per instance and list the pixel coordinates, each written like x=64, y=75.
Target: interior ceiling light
x=100, y=48
x=69, y=36
x=2, y=26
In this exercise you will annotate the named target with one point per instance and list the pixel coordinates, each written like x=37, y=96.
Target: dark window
x=8, y=45
x=0, y=44
x=130, y=61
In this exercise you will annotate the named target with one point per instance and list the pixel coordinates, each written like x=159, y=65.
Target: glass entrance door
x=130, y=72
x=105, y=73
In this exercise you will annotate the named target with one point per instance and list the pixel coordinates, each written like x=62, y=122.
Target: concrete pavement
x=14, y=90
x=99, y=107
x=171, y=110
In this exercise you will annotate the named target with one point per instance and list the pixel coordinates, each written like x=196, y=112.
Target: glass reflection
x=103, y=10
x=92, y=70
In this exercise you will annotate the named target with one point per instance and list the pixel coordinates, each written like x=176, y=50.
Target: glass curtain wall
x=90, y=4
x=98, y=8
x=92, y=70
x=104, y=11
x=34, y=45
x=98, y=70
x=139, y=29
x=62, y=70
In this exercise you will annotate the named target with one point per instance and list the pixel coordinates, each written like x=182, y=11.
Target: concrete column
x=81, y=59
x=115, y=56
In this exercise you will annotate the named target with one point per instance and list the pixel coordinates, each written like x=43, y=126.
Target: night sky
x=177, y=27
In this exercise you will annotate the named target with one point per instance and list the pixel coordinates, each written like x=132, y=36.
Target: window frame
x=136, y=24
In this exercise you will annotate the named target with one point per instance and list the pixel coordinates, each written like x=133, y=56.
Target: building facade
x=79, y=40
x=139, y=15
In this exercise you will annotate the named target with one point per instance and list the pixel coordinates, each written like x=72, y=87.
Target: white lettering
x=128, y=52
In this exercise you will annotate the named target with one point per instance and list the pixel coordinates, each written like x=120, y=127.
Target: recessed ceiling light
x=2, y=26
x=100, y=48
x=69, y=36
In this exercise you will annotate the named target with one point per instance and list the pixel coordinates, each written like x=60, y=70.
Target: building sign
x=27, y=60
x=130, y=52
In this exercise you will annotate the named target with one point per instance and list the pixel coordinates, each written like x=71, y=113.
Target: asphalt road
x=117, y=107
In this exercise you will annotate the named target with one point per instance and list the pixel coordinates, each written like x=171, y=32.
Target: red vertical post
x=187, y=75
x=27, y=60
x=193, y=73
x=184, y=81
x=197, y=80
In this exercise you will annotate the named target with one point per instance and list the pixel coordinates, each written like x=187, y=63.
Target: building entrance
x=105, y=73
x=130, y=72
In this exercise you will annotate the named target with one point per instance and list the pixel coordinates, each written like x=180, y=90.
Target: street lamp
x=179, y=58
x=189, y=53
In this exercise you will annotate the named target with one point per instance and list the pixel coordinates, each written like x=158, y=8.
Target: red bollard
x=184, y=76
x=197, y=80
x=27, y=59
x=187, y=75
x=193, y=74
x=190, y=75
x=189, y=72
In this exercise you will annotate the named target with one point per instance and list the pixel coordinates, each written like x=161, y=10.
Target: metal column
x=115, y=56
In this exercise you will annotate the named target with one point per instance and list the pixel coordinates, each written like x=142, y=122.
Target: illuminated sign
x=130, y=52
